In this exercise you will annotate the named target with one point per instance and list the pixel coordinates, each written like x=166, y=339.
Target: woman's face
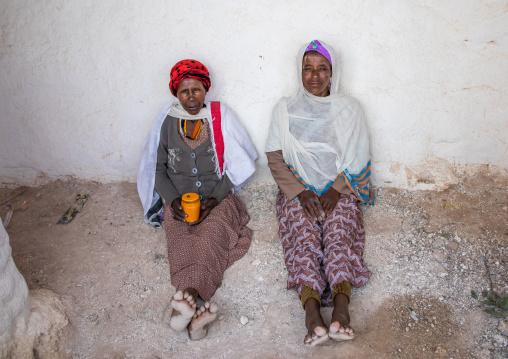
x=191, y=94
x=316, y=73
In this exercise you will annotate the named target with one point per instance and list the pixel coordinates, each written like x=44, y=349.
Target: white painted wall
x=81, y=81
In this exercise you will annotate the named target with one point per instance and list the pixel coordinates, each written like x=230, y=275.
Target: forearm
x=222, y=188
x=340, y=186
x=283, y=176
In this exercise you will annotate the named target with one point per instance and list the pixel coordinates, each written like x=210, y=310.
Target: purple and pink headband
x=316, y=46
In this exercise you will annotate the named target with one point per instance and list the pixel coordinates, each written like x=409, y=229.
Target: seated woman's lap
x=199, y=255
x=320, y=253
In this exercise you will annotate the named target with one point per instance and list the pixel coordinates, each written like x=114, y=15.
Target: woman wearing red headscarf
x=197, y=147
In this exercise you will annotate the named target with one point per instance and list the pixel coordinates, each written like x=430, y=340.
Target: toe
x=319, y=331
x=214, y=307
x=178, y=295
x=334, y=327
x=308, y=339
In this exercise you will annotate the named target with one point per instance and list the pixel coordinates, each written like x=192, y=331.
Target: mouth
x=193, y=110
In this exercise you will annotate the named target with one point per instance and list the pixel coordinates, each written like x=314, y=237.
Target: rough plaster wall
x=13, y=297
x=82, y=81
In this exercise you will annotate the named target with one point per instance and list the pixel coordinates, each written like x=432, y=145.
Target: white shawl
x=320, y=137
x=239, y=153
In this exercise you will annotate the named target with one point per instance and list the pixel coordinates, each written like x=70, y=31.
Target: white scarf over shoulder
x=320, y=137
x=239, y=153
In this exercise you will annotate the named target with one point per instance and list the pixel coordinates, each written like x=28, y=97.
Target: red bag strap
x=217, y=133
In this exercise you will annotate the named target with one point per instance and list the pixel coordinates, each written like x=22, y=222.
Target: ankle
x=312, y=305
x=341, y=300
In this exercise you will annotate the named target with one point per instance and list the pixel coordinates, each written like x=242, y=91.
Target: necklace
x=195, y=132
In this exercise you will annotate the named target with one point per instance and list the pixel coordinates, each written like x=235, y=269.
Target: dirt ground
x=427, y=251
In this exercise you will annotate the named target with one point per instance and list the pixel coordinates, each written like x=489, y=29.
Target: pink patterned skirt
x=321, y=255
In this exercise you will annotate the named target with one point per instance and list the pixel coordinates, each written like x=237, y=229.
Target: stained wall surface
x=81, y=81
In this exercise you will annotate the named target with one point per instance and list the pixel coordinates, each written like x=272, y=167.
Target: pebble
x=437, y=243
x=407, y=329
x=440, y=256
x=256, y=262
x=503, y=327
x=453, y=246
x=499, y=340
x=440, y=350
x=441, y=272
x=244, y=320
x=145, y=294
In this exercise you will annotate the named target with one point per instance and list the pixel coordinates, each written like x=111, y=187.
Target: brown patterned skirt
x=199, y=255
x=321, y=255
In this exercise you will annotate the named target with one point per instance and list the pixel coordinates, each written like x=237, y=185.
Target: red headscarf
x=186, y=69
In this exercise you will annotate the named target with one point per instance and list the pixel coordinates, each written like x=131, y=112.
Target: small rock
x=244, y=320
x=453, y=246
x=440, y=256
x=487, y=346
x=503, y=327
x=256, y=263
x=440, y=350
x=442, y=274
x=407, y=329
x=499, y=340
x=145, y=294
x=437, y=243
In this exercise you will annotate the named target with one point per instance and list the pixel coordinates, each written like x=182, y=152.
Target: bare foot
x=340, y=328
x=317, y=332
x=203, y=316
x=184, y=309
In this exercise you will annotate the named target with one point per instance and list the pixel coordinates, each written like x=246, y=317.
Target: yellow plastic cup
x=191, y=205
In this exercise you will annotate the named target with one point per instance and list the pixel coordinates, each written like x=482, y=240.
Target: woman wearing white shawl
x=200, y=147
x=318, y=153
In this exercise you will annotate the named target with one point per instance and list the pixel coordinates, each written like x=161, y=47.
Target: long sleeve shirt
x=287, y=181
x=181, y=169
